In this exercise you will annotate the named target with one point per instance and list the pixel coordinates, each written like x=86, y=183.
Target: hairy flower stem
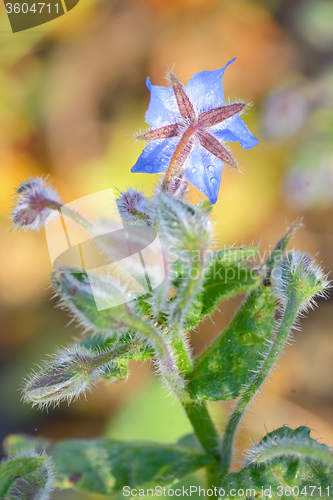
x=165, y=355
x=184, y=362
x=177, y=160
x=203, y=427
x=76, y=218
x=116, y=353
x=286, y=324
x=200, y=419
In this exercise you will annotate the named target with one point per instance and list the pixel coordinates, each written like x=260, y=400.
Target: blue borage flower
x=189, y=124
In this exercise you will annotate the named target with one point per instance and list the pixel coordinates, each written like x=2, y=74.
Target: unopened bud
x=73, y=370
x=75, y=291
x=134, y=207
x=298, y=275
x=66, y=376
x=28, y=476
x=35, y=200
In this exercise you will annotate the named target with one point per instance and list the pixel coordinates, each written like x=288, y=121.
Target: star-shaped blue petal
x=189, y=124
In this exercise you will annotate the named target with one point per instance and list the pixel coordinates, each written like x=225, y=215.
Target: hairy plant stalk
x=203, y=427
x=166, y=358
x=76, y=217
x=290, y=312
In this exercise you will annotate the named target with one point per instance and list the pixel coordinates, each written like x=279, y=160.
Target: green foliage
x=118, y=369
x=155, y=325
x=106, y=465
x=223, y=369
x=185, y=233
x=224, y=277
x=26, y=477
x=295, y=443
x=74, y=289
x=285, y=459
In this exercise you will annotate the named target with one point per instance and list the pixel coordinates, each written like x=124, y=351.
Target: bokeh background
x=72, y=94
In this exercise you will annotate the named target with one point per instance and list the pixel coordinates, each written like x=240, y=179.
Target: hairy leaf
x=106, y=465
x=224, y=277
x=223, y=369
x=25, y=467
x=295, y=472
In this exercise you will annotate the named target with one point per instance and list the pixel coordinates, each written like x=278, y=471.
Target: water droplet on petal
x=213, y=180
x=210, y=168
x=193, y=170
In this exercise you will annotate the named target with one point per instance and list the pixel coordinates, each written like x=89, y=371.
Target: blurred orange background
x=72, y=94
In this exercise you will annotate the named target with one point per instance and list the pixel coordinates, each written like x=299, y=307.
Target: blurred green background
x=72, y=93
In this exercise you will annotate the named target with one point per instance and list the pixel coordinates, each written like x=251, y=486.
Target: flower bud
x=75, y=368
x=134, y=207
x=34, y=202
x=298, y=275
x=75, y=291
x=28, y=475
x=69, y=374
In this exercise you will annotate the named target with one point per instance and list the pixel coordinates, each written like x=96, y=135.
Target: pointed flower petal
x=205, y=89
x=204, y=171
x=156, y=156
x=233, y=130
x=162, y=109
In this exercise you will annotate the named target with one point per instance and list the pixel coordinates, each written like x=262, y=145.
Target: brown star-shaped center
x=191, y=128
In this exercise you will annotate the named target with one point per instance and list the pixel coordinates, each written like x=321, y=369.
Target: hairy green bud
x=73, y=370
x=298, y=275
x=26, y=476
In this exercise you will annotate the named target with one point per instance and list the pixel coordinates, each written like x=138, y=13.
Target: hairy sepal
x=73, y=286
x=185, y=233
x=74, y=289
x=27, y=475
x=70, y=373
x=297, y=274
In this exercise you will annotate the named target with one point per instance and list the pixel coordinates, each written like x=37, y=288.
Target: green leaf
x=105, y=465
x=22, y=466
x=225, y=276
x=236, y=254
x=223, y=369
x=288, y=442
x=297, y=468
